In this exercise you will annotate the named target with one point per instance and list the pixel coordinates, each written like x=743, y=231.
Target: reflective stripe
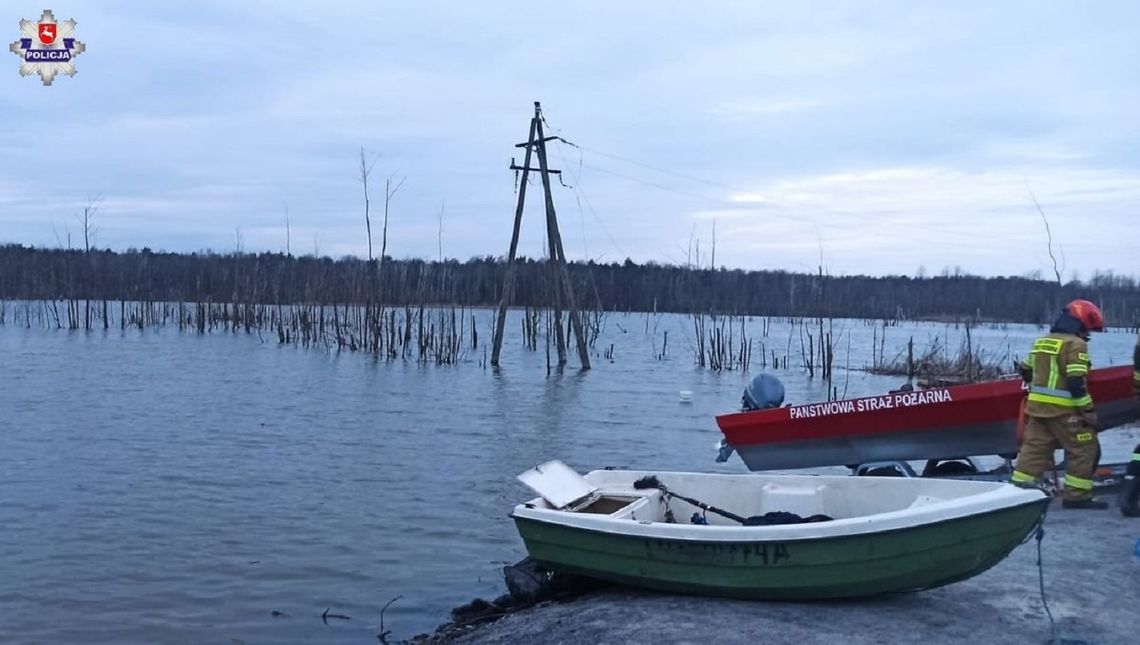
x=1076, y=369
x=1054, y=396
x=1019, y=477
x=1136, y=376
x=1082, y=402
x=1047, y=346
x=1081, y=356
x=1051, y=391
x=1136, y=456
x=1084, y=437
x=1078, y=483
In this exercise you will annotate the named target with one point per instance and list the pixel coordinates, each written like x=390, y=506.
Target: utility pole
x=509, y=279
x=563, y=290
x=557, y=255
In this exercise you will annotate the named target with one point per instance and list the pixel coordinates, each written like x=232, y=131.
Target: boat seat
x=801, y=500
x=646, y=508
x=623, y=505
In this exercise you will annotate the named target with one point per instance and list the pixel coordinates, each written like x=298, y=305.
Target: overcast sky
x=891, y=135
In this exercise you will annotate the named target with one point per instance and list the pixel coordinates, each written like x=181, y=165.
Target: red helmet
x=1088, y=313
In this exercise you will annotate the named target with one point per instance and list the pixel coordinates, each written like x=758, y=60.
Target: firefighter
x=1130, y=492
x=1060, y=411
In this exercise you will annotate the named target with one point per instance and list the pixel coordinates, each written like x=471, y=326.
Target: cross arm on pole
x=544, y=139
x=549, y=170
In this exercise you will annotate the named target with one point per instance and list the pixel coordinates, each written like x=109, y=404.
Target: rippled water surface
x=158, y=486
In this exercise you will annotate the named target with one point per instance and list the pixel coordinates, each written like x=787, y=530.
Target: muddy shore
x=1092, y=585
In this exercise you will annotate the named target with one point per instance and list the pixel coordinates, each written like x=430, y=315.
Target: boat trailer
x=1106, y=478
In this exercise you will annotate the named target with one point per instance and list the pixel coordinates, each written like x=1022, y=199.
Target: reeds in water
x=721, y=342
x=425, y=334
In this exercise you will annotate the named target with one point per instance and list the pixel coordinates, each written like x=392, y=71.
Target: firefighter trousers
x=1043, y=435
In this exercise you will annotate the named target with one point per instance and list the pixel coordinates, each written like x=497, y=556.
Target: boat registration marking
x=754, y=554
x=885, y=402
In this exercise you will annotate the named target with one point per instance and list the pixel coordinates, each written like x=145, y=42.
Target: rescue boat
x=941, y=423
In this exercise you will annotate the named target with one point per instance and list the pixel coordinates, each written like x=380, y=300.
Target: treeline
x=28, y=273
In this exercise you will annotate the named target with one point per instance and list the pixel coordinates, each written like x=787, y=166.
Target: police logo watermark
x=47, y=47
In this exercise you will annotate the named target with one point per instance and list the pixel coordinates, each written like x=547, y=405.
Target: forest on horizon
x=29, y=273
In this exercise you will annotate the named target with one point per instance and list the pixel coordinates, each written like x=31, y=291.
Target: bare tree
x=689, y=251
x=1049, y=237
x=87, y=222
x=288, y=251
x=442, y=208
x=712, y=263
x=365, y=171
x=391, y=187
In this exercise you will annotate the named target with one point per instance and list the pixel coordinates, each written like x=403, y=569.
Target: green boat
x=870, y=535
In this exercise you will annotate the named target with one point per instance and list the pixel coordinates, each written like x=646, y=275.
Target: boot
x=1085, y=504
x=1129, y=499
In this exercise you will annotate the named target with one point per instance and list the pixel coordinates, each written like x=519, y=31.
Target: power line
x=737, y=189
x=877, y=230
x=851, y=228
x=579, y=191
x=665, y=171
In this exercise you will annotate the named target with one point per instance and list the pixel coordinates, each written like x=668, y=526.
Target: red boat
x=942, y=423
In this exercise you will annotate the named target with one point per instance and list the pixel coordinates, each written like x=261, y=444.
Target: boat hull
x=850, y=566
x=882, y=534
x=966, y=420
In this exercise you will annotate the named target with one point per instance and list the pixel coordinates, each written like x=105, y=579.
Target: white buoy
x=686, y=396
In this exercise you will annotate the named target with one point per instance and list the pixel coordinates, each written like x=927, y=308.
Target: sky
x=874, y=137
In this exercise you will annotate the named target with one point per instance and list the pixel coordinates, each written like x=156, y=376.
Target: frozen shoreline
x=1091, y=584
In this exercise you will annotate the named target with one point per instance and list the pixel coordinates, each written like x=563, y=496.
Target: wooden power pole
x=563, y=290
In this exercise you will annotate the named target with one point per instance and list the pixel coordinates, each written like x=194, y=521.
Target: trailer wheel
x=884, y=471
x=953, y=468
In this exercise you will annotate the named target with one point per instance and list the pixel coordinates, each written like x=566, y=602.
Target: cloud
x=742, y=109
x=894, y=134
x=934, y=189
x=945, y=213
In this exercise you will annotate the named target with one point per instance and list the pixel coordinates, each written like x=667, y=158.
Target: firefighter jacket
x=1136, y=367
x=1056, y=370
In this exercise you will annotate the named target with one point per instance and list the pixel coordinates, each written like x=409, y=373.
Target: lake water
x=158, y=486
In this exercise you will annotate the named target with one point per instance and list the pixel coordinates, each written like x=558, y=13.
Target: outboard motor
x=765, y=391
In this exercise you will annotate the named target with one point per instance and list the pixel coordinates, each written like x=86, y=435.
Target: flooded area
x=166, y=486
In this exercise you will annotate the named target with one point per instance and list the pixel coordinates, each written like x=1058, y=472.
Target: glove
x=1024, y=372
